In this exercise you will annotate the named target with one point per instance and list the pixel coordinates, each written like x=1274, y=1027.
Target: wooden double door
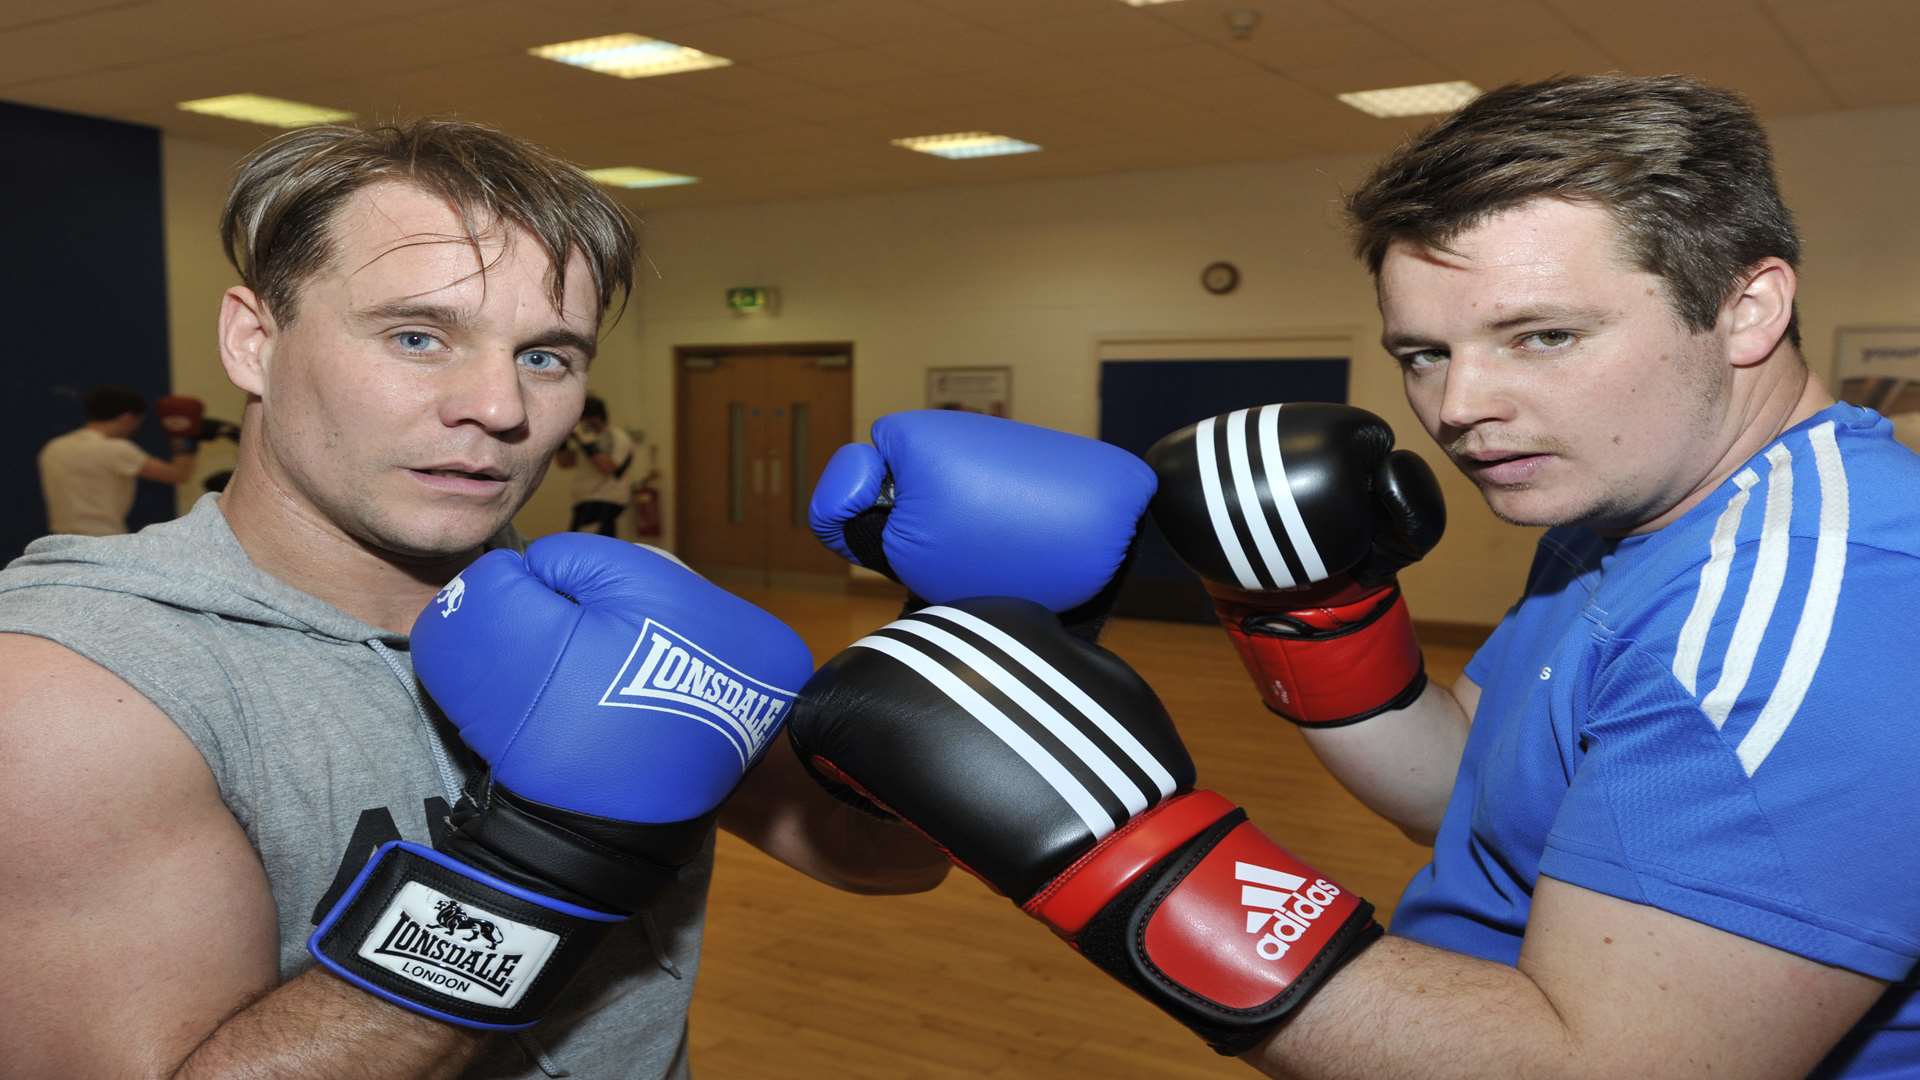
x=755, y=430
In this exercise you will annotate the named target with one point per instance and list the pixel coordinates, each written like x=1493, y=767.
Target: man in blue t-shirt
x=1672, y=799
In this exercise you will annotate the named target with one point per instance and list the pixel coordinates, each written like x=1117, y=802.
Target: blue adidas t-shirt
x=1721, y=719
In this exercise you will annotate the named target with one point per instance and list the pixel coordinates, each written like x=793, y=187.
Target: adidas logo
x=1279, y=909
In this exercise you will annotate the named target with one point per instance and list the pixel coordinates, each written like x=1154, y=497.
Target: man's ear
x=247, y=338
x=1757, y=316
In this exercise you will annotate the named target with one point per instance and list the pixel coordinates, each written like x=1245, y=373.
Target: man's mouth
x=1501, y=467
x=1494, y=457
x=463, y=473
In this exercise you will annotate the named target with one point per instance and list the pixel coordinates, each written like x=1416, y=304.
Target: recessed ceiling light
x=633, y=176
x=629, y=56
x=966, y=144
x=274, y=112
x=1413, y=100
x=1146, y=3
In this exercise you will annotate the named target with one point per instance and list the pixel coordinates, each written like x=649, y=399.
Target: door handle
x=774, y=474
x=759, y=476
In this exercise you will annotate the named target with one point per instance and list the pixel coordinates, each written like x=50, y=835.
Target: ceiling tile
x=1120, y=29
x=749, y=38
x=1210, y=19
x=871, y=22
x=59, y=49
x=1034, y=81
x=1317, y=46
x=822, y=106
x=657, y=14
x=1172, y=67
x=740, y=84
x=1007, y=12
x=966, y=50
x=1437, y=30
x=1848, y=20
x=843, y=67
x=1871, y=87
x=1628, y=24
x=15, y=16
x=1346, y=78
x=1568, y=55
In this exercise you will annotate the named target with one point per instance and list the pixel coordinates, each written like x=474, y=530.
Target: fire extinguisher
x=646, y=502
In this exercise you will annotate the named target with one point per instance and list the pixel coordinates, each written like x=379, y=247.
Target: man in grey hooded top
x=206, y=727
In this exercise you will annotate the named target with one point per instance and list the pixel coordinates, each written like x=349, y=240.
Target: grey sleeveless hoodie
x=325, y=747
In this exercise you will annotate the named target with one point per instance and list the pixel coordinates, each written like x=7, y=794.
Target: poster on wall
x=986, y=390
x=1879, y=367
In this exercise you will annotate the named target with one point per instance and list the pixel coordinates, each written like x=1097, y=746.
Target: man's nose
x=1474, y=390
x=486, y=390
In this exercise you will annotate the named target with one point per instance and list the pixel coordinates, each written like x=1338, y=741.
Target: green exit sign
x=749, y=298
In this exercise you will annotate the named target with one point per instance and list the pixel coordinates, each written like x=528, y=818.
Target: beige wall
x=1035, y=275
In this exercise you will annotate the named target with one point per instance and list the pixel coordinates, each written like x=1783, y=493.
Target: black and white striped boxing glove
x=1046, y=767
x=1297, y=517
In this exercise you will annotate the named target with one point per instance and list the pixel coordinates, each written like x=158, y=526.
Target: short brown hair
x=1684, y=169
x=277, y=223
x=112, y=402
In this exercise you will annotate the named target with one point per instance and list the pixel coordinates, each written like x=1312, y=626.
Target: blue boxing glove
x=955, y=505
x=617, y=698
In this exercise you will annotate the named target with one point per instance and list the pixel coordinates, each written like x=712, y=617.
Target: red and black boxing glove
x=1046, y=767
x=181, y=417
x=1297, y=517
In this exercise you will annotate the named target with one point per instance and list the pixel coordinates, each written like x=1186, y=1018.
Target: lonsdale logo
x=450, y=597
x=441, y=947
x=463, y=951
x=668, y=672
x=1279, y=909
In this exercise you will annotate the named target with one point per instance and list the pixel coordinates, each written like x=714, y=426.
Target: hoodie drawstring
x=449, y=782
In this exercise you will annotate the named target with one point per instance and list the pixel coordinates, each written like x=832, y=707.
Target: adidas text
x=1280, y=907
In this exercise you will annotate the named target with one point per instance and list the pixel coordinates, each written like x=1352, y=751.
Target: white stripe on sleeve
x=1763, y=591
x=1816, y=616
x=1713, y=583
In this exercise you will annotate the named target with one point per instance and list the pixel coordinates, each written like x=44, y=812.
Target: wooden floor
x=799, y=980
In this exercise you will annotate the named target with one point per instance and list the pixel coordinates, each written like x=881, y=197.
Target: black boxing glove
x=1046, y=767
x=1297, y=517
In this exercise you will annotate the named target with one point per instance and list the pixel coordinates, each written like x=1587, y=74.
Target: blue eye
x=541, y=360
x=1421, y=360
x=415, y=340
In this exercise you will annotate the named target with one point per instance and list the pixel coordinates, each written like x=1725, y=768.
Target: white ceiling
x=818, y=87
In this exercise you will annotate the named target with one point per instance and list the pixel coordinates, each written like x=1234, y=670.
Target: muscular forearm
x=783, y=812
x=1402, y=1009
x=839, y=846
x=316, y=1027
x=1401, y=764
x=885, y=857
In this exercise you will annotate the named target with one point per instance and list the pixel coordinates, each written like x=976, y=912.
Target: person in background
x=88, y=474
x=600, y=490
